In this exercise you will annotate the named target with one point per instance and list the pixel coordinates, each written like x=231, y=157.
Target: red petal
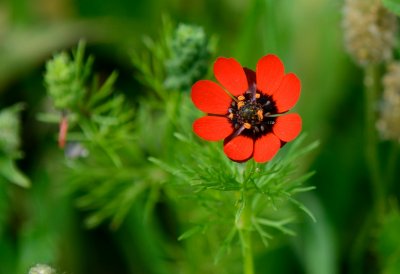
x=210, y=97
x=239, y=148
x=212, y=128
x=266, y=147
x=269, y=73
x=287, y=127
x=231, y=75
x=288, y=93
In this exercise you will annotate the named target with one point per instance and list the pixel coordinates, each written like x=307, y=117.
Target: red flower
x=247, y=114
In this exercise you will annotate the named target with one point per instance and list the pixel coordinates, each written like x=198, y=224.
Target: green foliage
x=100, y=139
x=392, y=5
x=218, y=185
x=388, y=244
x=190, y=51
x=9, y=146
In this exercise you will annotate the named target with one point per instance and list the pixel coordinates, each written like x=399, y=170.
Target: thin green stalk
x=391, y=164
x=244, y=226
x=371, y=141
x=245, y=236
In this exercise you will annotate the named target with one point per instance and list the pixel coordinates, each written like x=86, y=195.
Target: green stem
x=391, y=165
x=372, y=87
x=244, y=226
x=245, y=235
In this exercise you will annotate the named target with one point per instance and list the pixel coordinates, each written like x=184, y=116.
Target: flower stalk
x=244, y=225
x=245, y=236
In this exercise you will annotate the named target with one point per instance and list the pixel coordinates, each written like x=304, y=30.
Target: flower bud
x=59, y=77
x=190, y=52
x=369, y=31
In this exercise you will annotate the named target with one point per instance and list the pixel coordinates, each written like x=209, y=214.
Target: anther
x=258, y=95
x=267, y=114
x=241, y=98
x=240, y=104
x=230, y=116
x=247, y=125
x=262, y=128
x=260, y=115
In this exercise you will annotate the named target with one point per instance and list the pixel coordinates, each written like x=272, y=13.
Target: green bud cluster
x=62, y=81
x=190, y=52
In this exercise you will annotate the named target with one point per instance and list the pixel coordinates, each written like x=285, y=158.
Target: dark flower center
x=250, y=114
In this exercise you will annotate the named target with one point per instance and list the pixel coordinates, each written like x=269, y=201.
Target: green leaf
x=189, y=233
x=9, y=171
x=393, y=6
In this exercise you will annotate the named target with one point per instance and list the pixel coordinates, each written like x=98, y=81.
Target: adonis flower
x=248, y=111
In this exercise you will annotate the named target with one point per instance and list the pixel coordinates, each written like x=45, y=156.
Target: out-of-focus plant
x=101, y=134
x=388, y=243
x=9, y=146
x=41, y=269
x=371, y=32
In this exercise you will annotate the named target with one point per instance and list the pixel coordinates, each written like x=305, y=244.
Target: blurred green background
x=37, y=226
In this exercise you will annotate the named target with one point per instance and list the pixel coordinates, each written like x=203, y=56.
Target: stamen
x=253, y=92
x=260, y=115
x=240, y=104
x=247, y=125
x=241, y=98
x=258, y=95
x=230, y=116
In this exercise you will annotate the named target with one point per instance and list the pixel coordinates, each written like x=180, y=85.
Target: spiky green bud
x=190, y=51
x=65, y=78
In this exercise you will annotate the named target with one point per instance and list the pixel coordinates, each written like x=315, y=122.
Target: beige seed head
x=369, y=31
x=388, y=124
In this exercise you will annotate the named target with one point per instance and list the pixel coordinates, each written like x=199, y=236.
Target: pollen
x=247, y=125
x=241, y=98
x=260, y=115
x=258, y=95
x=230, y=116
x=240, y=104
